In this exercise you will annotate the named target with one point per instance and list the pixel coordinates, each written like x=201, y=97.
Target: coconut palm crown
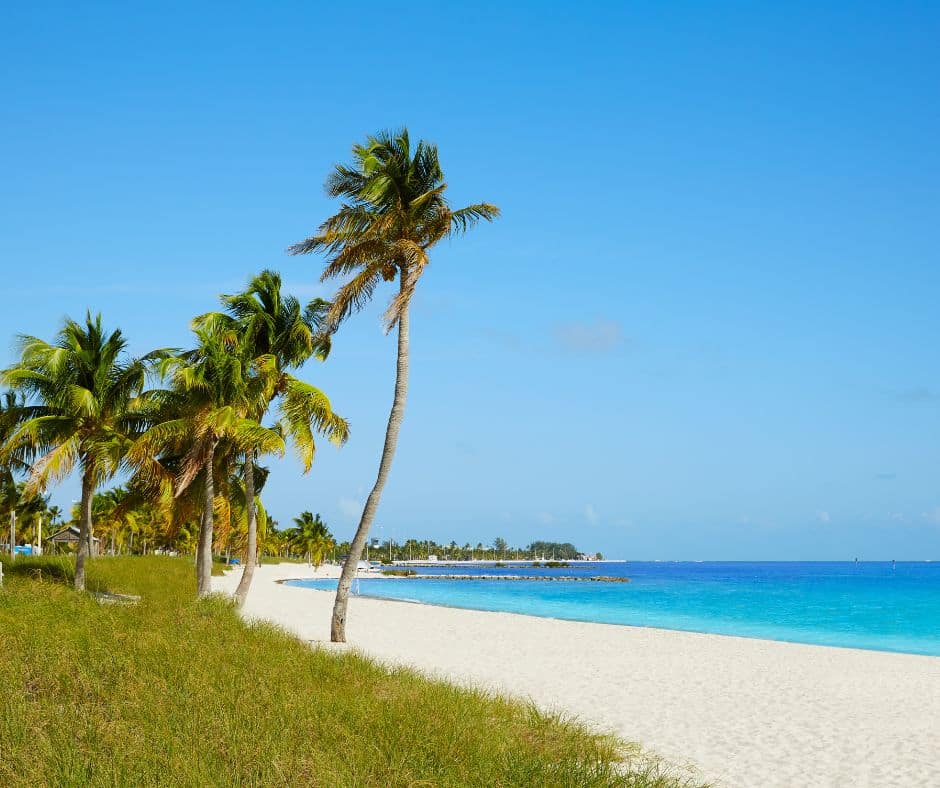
x=275, y=335
x=394, y=211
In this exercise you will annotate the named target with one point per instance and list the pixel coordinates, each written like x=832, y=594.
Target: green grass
x=177, y=692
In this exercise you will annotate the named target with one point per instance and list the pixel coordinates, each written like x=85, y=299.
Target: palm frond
x=304, y=410
x=354, y=295
x=54, y=466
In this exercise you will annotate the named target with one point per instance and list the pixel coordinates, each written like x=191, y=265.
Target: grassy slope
x=176, y=692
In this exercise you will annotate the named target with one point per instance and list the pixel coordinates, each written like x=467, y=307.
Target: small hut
x=70, y=536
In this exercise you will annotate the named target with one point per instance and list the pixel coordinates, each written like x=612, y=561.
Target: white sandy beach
x=745, y=712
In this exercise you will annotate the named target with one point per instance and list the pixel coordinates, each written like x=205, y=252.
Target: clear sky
x=706, y=326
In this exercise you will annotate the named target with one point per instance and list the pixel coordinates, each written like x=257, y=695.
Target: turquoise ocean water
x=867, y=605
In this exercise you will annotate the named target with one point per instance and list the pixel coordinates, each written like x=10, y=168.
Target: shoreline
x=744, y=711
x=373, y=576
x=608, y=623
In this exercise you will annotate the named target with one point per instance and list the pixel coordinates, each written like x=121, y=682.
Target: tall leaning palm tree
x=83, y=395
x=277, y=335
x=393, y=212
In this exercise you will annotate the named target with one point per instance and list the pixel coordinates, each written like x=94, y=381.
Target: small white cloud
x=546, y=518
x=465, y=448
x=896, y=516
x=590, y=514
x=823, y=517
x=933, y=516
x=918, y=394
x=602, y=336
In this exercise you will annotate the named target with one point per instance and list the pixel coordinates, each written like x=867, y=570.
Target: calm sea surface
x=868, y=605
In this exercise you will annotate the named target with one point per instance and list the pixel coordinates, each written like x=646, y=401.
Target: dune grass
x=171, y=691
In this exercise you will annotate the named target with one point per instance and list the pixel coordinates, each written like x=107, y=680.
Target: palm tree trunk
x=84, y=534
x=338, y=624
x=204, y=550
x=251, y=558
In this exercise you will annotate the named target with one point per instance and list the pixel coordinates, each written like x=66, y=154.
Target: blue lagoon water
x=866, y=605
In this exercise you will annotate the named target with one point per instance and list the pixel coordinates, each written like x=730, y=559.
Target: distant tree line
x=562, y=550
x=498, y=550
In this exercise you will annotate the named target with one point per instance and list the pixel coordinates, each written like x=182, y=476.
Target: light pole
x=13, y=535
x=78, y=503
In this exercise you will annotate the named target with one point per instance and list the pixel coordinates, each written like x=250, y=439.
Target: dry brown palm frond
x=353, y=295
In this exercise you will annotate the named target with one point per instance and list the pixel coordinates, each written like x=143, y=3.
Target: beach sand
x=744, y=712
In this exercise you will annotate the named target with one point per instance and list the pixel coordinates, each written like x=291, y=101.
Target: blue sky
x=705, y=327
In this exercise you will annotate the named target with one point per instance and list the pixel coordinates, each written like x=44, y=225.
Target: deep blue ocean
x=866, y=605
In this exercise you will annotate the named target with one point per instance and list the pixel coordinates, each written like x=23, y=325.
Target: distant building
x=70, y=535
x=432, y=557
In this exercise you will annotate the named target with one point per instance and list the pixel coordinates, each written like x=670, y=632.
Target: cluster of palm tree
x=192, y=447
x=310, y=538
x=25, y=513
x=499, y=549
x=126, y=521
x=129, y=523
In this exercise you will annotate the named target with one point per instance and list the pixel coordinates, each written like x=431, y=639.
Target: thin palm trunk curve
x=338, y=624
x=251, y=558
x=393, y=211
x=84, y=534
x=204, y=550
